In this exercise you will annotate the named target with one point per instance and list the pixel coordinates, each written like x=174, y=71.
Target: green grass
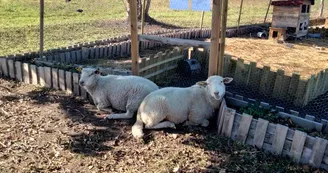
x=19, y=20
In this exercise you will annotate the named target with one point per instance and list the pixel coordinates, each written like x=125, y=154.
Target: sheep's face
x=216, y=86
x=89, y=77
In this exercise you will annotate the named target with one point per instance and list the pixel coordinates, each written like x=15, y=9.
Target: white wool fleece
x=123, y=93
x=193, y=105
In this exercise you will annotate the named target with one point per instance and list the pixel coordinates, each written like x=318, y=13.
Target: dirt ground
x=306, y=57
x=49, y=131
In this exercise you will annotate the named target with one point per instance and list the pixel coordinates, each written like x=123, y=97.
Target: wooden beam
x=134, y=37
x=41, y=26
x=143, y=16
x=266, y=14
x=201, y=22
x=216, y=20
x=223, y=35
x=175, y=41
x=322, y=4
x=239, y=15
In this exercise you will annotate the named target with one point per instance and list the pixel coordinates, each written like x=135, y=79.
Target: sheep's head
x=216, y=86
x=89, y=77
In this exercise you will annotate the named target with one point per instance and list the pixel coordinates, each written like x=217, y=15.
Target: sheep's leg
x=161, y=125
x=127, y=115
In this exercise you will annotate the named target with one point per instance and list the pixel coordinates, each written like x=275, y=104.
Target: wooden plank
x=297, y=145
x=11, y=69
x=118, y=51
x=134, y=37
x=78, y=56
x=309, y=90
x=76, y=87
x=97, y=52
x=279, y=139
x=73, y=57
x=26, y=73
x=68, y=81
x=61, y=79
x=92, y=52
x=62, y=57
x=175, y=41
x=101, y=52
x=220, y=115
x=300, y=93
x=85, y=53
x=19, y=73
x=48, y=80
x=243, y=128
x=55, y=84
x=34, y=74
x=318, y=152
x=260, y=131
x=68, y=58
x=41, y=76
x=229, y=116
x=293, y=87
x=4, y=67
x=278, y=84
x=264, y=79
x=110, y=51
x=147, y=67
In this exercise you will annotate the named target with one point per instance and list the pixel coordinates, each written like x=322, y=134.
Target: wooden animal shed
x=290, y=18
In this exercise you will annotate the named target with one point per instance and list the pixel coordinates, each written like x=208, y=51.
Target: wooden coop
x=290, y=18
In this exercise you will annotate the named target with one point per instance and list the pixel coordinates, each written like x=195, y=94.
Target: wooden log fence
x=308, y=122
x=275, y=138
x=275, y=84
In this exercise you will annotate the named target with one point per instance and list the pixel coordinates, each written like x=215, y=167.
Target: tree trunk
x=139, y=9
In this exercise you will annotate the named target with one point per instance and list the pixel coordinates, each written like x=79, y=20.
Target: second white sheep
x=169, y=106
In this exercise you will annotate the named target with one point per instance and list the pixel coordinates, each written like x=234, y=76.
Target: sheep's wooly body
x=192, y=105
x=123, y=93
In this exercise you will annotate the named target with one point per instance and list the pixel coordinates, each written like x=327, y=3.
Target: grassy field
x=64, y=26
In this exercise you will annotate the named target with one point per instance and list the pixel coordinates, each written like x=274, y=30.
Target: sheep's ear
x=227, y=80
x=202, y=83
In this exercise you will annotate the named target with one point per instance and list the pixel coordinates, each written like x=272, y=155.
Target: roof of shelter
x=289, y=2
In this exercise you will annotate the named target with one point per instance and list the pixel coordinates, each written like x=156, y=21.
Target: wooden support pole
x=216, y=20
x=134, y=37
x=266, y=14
x=201, y=22
x=143, y=16
x=322, y=4
x=41, y=26
x=175, y=41
x=223, y=35
x=239, y=15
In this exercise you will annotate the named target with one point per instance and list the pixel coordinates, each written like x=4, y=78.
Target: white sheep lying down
x=123, y=93
x=193, y=105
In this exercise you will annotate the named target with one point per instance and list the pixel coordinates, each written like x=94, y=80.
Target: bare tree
x=139, y=9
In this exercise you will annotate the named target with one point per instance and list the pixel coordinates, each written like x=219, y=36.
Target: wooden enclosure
x=275, y=138
x=292, y=15
x=273, y=84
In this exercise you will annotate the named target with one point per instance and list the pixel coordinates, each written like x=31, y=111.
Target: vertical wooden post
x=134, y=37
x=216, y=21
x=322, y=4
x=41, y=26
x=239, y=15
x=266, y=14
x=201, y=22
x=143, y=16
x=222, y=37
